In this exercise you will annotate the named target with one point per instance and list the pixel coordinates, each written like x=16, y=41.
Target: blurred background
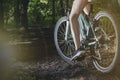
x=28, y=21
x=26, y=29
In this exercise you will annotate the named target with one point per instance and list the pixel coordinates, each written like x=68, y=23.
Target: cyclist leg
x=87, y=9
x=77, y=8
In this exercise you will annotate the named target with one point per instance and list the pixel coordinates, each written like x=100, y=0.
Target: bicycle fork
x=67, y=25
x=66, y=30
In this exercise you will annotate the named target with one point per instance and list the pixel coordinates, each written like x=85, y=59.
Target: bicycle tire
x=56, y=40
x=109, y=68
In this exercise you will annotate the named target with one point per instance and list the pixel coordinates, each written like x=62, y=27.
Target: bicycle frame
x=84, y=27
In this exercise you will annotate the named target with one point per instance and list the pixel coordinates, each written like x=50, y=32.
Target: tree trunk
x=17, y=13
x=62, y=8
x=67, y=4
x=1, y=14
x=53, y=11
x=24, y=17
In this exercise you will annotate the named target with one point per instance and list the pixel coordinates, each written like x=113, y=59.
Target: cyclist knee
x=74, y=17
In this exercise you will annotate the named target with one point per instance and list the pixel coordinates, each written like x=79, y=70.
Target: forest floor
x=54, y=68
x=31, y=65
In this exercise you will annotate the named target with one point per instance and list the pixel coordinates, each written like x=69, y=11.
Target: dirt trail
x=54, y=68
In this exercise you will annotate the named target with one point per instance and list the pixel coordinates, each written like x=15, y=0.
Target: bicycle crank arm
x=97, y=58
x=92, y=43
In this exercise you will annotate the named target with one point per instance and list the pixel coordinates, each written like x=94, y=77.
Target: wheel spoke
x=107, y=42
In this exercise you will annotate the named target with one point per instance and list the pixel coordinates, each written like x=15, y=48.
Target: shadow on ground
x=54, y=69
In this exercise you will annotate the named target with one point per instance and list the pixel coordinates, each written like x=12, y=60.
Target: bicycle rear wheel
x=63, y=39
x=107, y=48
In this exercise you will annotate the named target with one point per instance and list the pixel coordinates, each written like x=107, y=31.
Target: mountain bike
x=98, y=35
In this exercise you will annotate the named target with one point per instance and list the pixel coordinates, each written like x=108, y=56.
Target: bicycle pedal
x=96, y=58
x=97, y=28
x=92, y=43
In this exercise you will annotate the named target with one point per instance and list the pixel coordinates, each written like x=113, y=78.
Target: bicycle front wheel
x=107, y=48
x=63, y=39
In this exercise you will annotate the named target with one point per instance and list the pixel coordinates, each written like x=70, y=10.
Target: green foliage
x=39, y=12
